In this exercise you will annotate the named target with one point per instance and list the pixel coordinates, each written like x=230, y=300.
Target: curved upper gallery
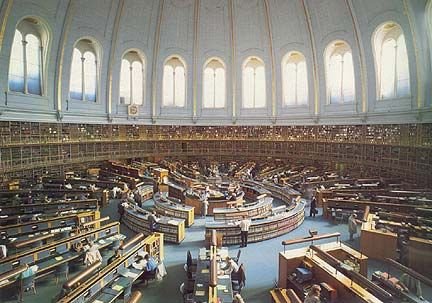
x=216, y=62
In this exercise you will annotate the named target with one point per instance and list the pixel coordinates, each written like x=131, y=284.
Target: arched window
x=340, y=73
x=174, y=83
x=214, y=88
x=132, y=79
x=254, y=86
x=391, y=61
x=294, y=77
x=27, y=57
x=84, y=72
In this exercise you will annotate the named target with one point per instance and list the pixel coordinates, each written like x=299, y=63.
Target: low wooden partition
x=195, y=201
x=261, y=229
x=136, y=219
x=344, y=288
x=175, y=190
x=168, y=206
x=375, y=243
x=50, y=256
x=259, y=209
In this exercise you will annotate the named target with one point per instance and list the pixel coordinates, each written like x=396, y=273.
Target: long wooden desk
x=47, y=208
x=50, y=256
x=261, y=229
x=202, y=289
x=112, y=280
x=347, y=290
x=169, y=207
x=50, y=223
x=136, y=219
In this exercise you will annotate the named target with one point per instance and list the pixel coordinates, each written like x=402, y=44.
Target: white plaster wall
x=331, y=21
x=214, y=40
x=290, y=33
x=92, y=20
x=136, y=31
x=177, y=37
x=252, y=40
x=138, y=24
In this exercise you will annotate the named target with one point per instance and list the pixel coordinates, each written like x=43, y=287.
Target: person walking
x=352, y=225
x=244, y=224
x=313, y=208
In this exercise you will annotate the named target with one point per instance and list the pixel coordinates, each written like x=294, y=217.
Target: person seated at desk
x=231, y=266
x=147, y=264
x=92, y=255
x=313, y=295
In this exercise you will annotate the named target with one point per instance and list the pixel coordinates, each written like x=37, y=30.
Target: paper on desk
x=117, y=287
x=102, y=241
x=205, y=271
x=172, y=222
x=131, y=275
x=221, y=287
x=59, y=258
x=200, y=293
x=223, y=277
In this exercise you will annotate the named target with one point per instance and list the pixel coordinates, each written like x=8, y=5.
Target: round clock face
x=133, y=110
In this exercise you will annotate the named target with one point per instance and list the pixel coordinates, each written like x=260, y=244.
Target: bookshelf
x=172, y=208
x=136, y=219
x=391, y=150
x=261, y=229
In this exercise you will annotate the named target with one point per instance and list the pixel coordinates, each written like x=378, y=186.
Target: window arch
x=254, y=86
x=339, y=73
x=294, y=78
x=391, y=62
x=84, y=72
x=27, y=58
x=214, y=84
x=174, y=83
x=132, y=79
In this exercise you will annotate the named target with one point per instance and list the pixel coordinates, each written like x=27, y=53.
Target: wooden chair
x=62, y=269
x=27, y=283
x=237, y=258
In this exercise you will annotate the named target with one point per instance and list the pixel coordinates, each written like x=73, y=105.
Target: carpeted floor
x=260, y=259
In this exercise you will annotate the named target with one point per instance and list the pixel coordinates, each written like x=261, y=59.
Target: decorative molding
x=195, y=61
x=363, y=71
x=112, y=58
x=5, y=10
x=273, y=60
x=314, y=58
x=155, y=60
x=60, y=54
x=420, y=93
